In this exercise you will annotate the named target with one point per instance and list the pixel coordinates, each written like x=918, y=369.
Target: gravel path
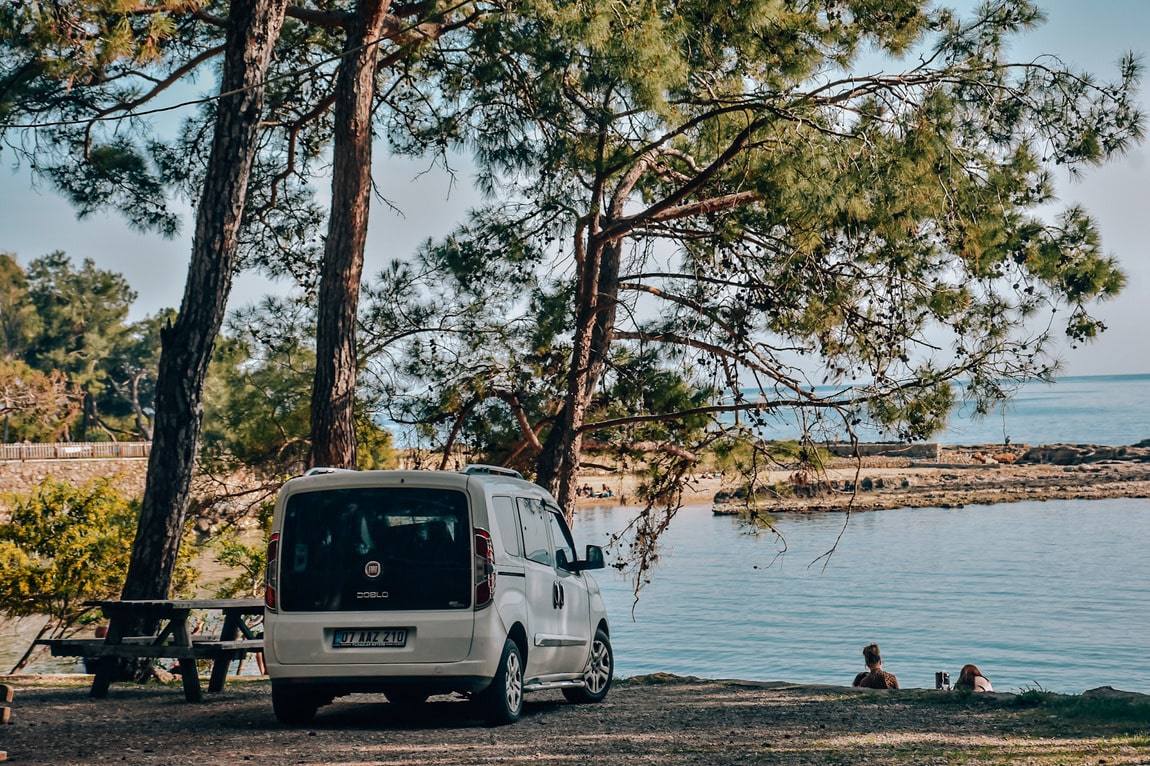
x=679, y=721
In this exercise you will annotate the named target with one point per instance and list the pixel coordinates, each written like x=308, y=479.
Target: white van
x=415, y=583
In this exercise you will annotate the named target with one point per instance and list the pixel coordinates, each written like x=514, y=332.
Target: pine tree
x=726, y=186
x=187, y=343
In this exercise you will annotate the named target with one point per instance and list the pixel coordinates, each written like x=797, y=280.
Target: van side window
x=508, y=524
x=536, y=545
x=560, y=535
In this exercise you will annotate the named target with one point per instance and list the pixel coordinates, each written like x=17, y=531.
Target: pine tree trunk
x=333, y=390
x=558, y=464
x=186, y=345
x=547, y=462
x=142, y=428
x=85, y=414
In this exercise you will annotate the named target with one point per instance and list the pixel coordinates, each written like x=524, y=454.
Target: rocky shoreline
x=962, y=476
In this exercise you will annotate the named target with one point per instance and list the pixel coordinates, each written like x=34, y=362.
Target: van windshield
x=383, y=548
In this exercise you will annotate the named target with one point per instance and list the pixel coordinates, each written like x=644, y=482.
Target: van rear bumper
x=448, y=675
x=380, y=678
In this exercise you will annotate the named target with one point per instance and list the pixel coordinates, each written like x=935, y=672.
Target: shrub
x=65, y=545
x=248, y=562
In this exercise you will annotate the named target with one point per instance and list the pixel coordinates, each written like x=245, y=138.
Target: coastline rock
x=1077, y=454
x=1110, y=693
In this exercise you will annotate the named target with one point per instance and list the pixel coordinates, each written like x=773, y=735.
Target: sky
x=34, y=220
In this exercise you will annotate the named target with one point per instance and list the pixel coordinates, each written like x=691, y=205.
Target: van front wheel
x=293, y=707
x=597, y=677
x=502, y=701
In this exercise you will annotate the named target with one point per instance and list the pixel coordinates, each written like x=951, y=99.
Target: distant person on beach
x=971, y=678
x=874, y=677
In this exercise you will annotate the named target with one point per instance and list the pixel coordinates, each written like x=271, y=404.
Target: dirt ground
x=663, y=721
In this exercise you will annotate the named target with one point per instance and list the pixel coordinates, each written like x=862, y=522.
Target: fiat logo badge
x=372, y=569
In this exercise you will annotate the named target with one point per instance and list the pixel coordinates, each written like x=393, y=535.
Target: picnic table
x=172, y=639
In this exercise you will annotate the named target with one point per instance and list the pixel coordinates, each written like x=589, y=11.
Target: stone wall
x=21, y=476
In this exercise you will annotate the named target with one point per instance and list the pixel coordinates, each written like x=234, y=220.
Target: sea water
x=1095, y=409
x=1037, y=594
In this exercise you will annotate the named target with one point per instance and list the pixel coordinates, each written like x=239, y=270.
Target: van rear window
x=375, y=549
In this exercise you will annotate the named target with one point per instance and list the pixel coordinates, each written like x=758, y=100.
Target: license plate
x=369, y=637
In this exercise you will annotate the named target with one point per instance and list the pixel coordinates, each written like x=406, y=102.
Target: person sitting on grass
x=875, y=677
x=970, y=678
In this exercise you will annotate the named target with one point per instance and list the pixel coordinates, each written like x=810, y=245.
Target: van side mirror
x=593, y=559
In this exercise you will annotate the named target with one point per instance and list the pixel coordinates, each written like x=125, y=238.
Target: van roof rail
x=491, y=470
x=322, y=469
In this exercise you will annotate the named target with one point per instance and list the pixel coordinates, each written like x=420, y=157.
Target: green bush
x=65, y=545
x=248, y=562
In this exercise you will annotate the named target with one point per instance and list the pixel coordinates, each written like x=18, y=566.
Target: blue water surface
x=1095, y=409
x=1053, y=594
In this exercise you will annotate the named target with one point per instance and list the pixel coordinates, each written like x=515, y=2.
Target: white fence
x=74, y=450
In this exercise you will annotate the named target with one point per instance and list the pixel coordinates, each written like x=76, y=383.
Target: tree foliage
x=79, y=69
x=246, y=562
x=728, y=189
x=67, y=330
x=34, y=405
x=19, y=323
x=258, y=394
x=704, y=218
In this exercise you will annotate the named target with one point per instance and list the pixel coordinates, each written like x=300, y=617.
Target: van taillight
x=271, y=580
x=484, y=568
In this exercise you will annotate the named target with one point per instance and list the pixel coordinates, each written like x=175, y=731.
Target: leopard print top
x=876, y=679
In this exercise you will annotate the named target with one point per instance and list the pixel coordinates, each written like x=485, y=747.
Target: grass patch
x=1093, y=710
x=1114, y=714
x=1029, y=698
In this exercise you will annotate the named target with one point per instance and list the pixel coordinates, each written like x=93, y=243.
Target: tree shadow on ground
x=374, y=713
x=675, y=723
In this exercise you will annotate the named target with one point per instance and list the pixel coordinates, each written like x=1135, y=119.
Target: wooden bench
x=172, y=640
x=201, y=648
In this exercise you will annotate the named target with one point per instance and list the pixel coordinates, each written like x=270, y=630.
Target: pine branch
x=127, y=106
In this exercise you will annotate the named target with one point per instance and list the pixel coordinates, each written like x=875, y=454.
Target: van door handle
x=557, y=595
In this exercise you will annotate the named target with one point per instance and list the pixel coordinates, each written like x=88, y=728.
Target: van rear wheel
x=599, y=673
x=502, y=701
x=293, y=707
